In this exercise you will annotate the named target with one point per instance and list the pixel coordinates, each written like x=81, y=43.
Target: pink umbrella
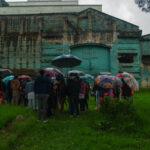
x=24, y=77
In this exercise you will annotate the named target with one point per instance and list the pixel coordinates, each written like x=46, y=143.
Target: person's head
x=16, y=77
x=69, y=78
x=42, y=72
x=76, y=78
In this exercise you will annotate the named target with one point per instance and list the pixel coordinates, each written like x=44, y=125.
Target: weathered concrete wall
x=29, y=42
x=20, y=44
x=145, y=63
x=130, y=48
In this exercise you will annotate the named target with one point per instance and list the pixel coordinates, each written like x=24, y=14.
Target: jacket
x=42, y=85
x=29, y=87
x=15, y=84
x=83, y=88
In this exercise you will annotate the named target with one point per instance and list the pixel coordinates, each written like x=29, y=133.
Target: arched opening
x=95, y=58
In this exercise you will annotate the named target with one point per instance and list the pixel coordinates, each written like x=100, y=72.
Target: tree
x=3, y=3
x=143, y=4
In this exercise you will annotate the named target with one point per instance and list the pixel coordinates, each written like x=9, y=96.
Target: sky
x=123, y=9
x=126, y=10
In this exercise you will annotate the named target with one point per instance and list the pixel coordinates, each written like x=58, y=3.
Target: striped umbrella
x=130, y=81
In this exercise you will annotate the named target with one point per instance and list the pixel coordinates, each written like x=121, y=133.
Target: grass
x=79, y=133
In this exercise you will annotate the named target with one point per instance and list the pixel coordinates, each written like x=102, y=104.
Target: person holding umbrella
x=82, y=94
x=126, y=90
x=15, y=85
x=74, y=96
x=2, y=89
x=61, y=92
x=42, y=88
x=29, y=91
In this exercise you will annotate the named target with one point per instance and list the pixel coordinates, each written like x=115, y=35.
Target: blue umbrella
x=6, y=79
x=66, y=61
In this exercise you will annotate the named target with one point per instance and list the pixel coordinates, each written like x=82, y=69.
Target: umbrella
x=24, y=77
x=87, y=77
x=53, y=72
x=124, y=74
x=75, y=73
x=105, y=81
x=6, y=79
x=66, y=61
x=119, y=75
x=130, y=81
x=117, y=82
x=5, y=72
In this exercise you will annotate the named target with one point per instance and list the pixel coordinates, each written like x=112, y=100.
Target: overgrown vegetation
x=118, y=115
x=91, y=130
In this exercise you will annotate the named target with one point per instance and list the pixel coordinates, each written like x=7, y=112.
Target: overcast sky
x=126, y=10
x=123, y=9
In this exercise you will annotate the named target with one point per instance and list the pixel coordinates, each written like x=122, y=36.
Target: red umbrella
x=120, y=74
x=24, y=77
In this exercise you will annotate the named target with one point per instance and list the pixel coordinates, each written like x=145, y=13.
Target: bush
x=117, y=114
x=112, y=106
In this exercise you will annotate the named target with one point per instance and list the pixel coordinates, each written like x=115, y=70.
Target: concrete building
x=32, y=35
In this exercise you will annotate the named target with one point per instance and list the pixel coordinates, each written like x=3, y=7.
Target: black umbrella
x=66, y=61
x=5, y=72
x=75, y=73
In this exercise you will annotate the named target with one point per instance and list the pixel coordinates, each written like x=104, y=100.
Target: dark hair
x=42, y=72
x=15, y=77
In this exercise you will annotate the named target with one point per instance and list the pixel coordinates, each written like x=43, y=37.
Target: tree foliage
x=3, y=3
x=143, y=4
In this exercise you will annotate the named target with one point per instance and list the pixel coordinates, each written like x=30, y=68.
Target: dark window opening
x=146, y=59
x=125, y=58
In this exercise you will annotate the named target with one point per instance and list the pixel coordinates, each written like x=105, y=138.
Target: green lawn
x=79, y=133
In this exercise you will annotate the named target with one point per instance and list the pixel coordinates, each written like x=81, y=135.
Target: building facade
x=29, y=40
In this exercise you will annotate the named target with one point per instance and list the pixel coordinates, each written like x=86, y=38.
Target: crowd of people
x=117, y=92
x=47, y=94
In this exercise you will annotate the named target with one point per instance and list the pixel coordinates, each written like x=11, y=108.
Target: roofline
x=145, y=35
x=60, y=13
x=69, y=12
x=76, y=9
x=109, y=16
x=55, y=5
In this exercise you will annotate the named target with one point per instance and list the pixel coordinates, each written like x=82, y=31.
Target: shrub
x=117, y=114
